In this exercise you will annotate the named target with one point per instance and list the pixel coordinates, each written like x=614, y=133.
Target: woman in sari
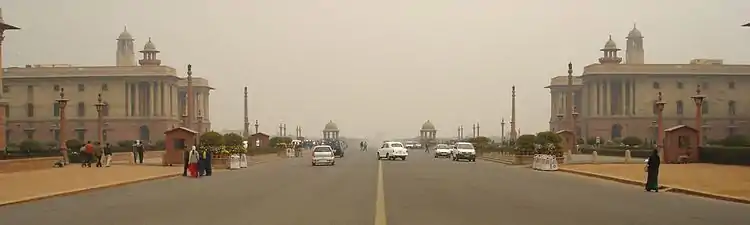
x=652, y=169
x=193, y=157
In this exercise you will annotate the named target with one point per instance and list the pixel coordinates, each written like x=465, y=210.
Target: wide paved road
x=419, y=191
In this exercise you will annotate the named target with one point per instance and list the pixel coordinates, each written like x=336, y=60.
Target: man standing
x=140, y=149
x=107, y=154
x=98, y=153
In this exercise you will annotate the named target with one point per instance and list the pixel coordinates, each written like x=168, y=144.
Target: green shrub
x=73, y=144
x=725, y=155
x=29, y=145
x=212, y=139
x=632, y=141
x=232, y=139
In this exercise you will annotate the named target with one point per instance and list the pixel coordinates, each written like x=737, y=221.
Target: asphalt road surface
x=359, y=190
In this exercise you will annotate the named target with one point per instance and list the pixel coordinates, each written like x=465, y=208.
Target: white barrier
x=243, y=161
x=544, y=162
x=234, y=162
x=289, y=153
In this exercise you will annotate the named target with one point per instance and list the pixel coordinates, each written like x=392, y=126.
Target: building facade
x=618, y=100
x=141, y=101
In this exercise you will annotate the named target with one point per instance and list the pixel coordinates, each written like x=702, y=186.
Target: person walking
x=84, y=155
x=107, y=154
x=193, y=157
x=140, y=149
x=89, y=149
x=98, y=153
x=652, y=170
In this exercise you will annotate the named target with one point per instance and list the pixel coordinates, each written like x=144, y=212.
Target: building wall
x=141, y=102
x=626, y=101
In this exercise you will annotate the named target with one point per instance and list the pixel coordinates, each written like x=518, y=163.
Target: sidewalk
x=32, y=185
x=724, y=182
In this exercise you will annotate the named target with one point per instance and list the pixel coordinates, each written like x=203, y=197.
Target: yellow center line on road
x=380, y=218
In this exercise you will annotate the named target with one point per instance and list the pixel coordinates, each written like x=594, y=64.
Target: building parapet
x=667, y=69
x=87, y=71
x=197, y=82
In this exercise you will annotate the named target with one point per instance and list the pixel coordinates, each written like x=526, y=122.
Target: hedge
x=725, y=155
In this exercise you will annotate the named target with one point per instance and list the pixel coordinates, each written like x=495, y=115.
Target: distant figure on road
x=98, y=153
x=652, y=169
x=192, y=162
x=107, y=154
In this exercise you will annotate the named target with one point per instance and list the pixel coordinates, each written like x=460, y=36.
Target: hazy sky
x=376, y=66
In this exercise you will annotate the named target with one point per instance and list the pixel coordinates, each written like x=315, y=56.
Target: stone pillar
x=127, y=100
x=138, y=101
x=623, y=93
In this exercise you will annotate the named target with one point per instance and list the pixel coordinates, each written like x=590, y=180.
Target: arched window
x=29, y=109
x=81, y=109
x=105, y=109
x=704, y=107
x=679, y=107
x=732, y=105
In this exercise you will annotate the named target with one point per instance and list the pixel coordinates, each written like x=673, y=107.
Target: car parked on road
x=323, y=154
x=392, y=150
x=442, y=150
x=464, y=150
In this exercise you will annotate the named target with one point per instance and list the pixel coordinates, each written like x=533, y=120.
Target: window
x=81, y=87
x=29, y=109
x=81, y=135
x=56, y=87
x=323, y=149
x=656, y=85
x=679, y=85
x=679, y=107
x=704, y=107
x=6, y=89
x=105, y=109
x=56, y=109
x=105, y=87
x=30, y=134
x=704, y=86
x=731, y=84
x=464, y=146
x=396, y=145
x=732, y=105
x=81, y=109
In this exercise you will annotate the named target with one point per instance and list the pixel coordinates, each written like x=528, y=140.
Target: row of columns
x=610, y=97
x=331, y=135
x=145, y=98
x=427, y=134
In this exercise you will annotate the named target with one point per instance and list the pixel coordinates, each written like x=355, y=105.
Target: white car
x=392, y=150
x=464, y=150
x=442, y=150
x=323, y=154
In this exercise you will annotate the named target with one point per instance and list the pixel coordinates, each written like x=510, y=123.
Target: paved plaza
x=421, y=190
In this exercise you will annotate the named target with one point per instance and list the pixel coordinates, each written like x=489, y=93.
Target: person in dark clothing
x=140, y=149
x=652, y=169
x=208, y=156
x=202, y=162
x=186, y=158
x=98, y=153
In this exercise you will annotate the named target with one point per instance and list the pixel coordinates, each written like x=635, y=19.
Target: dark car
x=338, y=151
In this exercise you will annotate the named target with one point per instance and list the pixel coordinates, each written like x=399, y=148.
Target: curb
x=662, y=187
x=496, y=160
x=76, y=191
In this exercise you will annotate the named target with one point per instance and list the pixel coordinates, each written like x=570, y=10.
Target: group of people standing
x=363, y=145
x=96, y=153
x=197, y=163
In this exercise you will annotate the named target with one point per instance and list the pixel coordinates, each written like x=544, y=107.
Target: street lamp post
x=502, y=130
x=256, y=126
x=61, y=103
x=575, y=128
x=200, y=126
x=699, y=98
x=99, y=122
x=660, y=125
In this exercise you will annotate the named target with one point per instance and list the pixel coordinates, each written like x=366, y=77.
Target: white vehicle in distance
x=442, y=150
x=323, y=154
x=392, y=150
x=464, y=150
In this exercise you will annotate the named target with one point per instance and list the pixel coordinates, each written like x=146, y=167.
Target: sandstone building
x=616, y=100
x=142, y=101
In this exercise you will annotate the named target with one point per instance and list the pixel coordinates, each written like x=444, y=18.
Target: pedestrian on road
x=89, y=150
x=193, y=157
x=140, y=149
x=652, y=169
x=202, y=162
x=98, y=153
x=208, y=156
x=107, y=154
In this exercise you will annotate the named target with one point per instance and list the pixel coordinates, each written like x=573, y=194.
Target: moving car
x=442, y=150
x=392, y=150
x=338, y=150
x=410, y=144
x=464, y=150
x=323, y=154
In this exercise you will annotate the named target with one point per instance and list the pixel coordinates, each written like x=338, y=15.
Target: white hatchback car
x=323, y=154
x=442, y=150
x=464, y=150
x=392, y=150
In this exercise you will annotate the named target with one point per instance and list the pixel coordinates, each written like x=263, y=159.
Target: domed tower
x=149, y=55
x=125, y=49
x=610, y=53
x=428, y=131
x=331, y=131
x=634, y=50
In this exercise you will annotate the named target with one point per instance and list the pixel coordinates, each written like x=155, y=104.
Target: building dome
x=428, y=125
x=635, y=33
x=330, y=126
x=610, y=44
x=125, y=35
x=149, y=46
